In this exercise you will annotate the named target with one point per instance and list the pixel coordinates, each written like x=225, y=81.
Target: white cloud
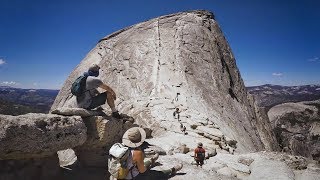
x=35, y=84
x=2, y=62
x=314, y=59
x=9, y=83
x=277, y=74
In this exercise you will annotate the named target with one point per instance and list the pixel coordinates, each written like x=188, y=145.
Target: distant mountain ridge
x=40, y=100
x=11, y=108
x=25, y=100
x=269, y=95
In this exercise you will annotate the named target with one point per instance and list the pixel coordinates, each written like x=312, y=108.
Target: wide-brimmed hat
x=134, y=137
x=199, y=144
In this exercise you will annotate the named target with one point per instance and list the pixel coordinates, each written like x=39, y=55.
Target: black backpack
x=79, y=85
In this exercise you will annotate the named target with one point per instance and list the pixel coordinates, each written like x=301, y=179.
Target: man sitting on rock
x=91, y=98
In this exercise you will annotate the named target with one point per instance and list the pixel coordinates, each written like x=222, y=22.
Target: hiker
x=176, y=114
x=199, y=154
x=183, y=129
x=90, y=97
x=134, y=138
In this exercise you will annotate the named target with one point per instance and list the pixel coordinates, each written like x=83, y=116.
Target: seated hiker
x=90, y=97
x=199, y=154
x=134, y=138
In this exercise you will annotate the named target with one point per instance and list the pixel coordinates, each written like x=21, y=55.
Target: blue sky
x=42, y=41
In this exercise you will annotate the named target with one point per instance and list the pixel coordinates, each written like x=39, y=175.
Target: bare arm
x=138, y=157
x=195, y=153
x=108, y=89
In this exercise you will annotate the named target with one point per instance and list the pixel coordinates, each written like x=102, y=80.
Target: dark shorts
x=199, y=162
x=98, y=100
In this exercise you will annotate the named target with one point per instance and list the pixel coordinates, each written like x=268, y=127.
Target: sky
x=42, y=41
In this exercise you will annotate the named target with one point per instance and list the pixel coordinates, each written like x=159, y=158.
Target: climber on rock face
x=176, y=114
x=183, y=129
x=91, y=98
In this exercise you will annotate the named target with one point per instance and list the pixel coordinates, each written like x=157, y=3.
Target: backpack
x=117, y=161
x=200, y=154
x=79, y=85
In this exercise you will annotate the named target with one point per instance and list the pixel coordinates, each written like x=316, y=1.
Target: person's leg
x=110, y=102
x=198, y=162
x=98, y=100
x=102, y=99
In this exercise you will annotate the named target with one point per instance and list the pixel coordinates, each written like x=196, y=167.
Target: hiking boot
x=99, y=108
x=154, y=158
x=116, y=115
x=176, y=168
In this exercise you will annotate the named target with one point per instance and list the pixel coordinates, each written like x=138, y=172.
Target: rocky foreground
x=31, y=151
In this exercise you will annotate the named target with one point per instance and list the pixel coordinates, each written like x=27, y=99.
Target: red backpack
x=200, y=154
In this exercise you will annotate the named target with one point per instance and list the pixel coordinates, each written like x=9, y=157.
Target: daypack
x=200, y=154
x=118, y=161
x=79, y=85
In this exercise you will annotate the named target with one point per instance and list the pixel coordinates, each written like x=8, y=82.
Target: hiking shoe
x=177, y=168
x=99, y=108
x=154, y=158
x=116, y=115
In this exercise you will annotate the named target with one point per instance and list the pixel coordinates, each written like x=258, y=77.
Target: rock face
x=39, y=135
x=102, y=134
x=29, y=143
x=297, y=126
x=177, y=61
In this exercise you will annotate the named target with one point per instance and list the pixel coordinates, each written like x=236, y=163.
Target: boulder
x=67, y=157
x=245, y=160
x=39, y=135
x=183, y=149
x=102, y=133
x=227, y=172
x=231, y=161
x=152, y=150
x=210, y=153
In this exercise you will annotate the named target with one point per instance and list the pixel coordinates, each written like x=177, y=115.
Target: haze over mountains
x=269, y=95
x=15, y=101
